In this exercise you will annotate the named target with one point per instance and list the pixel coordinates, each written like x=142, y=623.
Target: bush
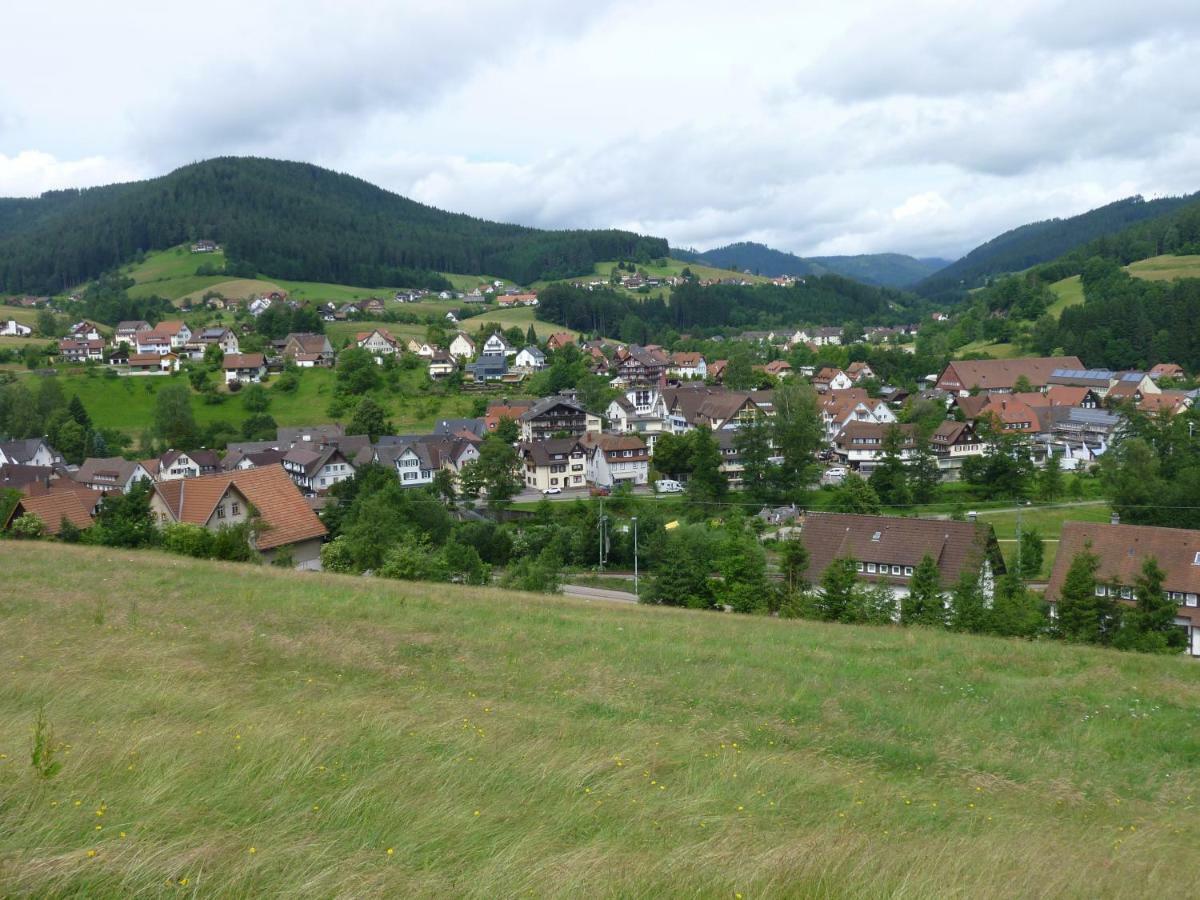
x=187, y=539
x=28, y=527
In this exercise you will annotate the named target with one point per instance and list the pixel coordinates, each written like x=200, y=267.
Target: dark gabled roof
x=308, y=434
x=110, y=469
x=1122, y=549
x=956, y=547
x=1003, y=374
x=542, y=452
x=546, y=404
x=20, y=451
x=19, y=475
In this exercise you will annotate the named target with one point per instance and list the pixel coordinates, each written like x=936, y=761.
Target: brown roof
x=53, y=507
x=542, y=452
x=243, y=361
x=285, y=515
x=1166, y=370
x=1123, y=548
x=876, y=432
x=686, y=358
x=956, y=547
x=148, y=359
x=1172, y=401
x=1066, y=395
x=1009, y=411
x=1003, y=374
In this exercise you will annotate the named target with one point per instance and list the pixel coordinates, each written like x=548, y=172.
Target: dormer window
x=876, y=536
x=1196, y=560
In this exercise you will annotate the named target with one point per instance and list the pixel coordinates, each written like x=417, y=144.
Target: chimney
x=1115, y=519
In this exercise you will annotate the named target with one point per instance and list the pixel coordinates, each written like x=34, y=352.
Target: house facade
x=616, y=459
x=554, y=463
x=246, y=368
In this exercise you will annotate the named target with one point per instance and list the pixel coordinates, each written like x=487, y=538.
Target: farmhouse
x=246, y=368
x=285, y=527
x=1001, y=376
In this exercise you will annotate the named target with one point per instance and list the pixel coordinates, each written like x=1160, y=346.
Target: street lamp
x=635, y=555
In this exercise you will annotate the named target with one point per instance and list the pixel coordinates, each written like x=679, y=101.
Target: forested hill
x=880, y=269
x=1041, y=242
x=287, y=220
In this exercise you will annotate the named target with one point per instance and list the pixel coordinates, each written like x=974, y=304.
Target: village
x=1059, y=411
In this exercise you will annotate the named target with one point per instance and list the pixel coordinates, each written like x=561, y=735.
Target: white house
x=530, y=359
x=687, y=365
x=146, y=342
x=222, y=337
x=248, y=368
x=13, y=328
x=616, y=459
x=462, y=347
x=28, y=452
x=496, y=345
x=379, y=343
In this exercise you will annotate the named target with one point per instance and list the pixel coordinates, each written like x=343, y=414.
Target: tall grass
x=238, y=731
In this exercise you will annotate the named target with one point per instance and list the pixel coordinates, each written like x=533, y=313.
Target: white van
x=666, y=486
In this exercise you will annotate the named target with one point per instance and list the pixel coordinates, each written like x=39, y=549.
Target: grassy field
x=1166, y=268
x=521, y=316
x=308, y=735
x=20, y=314
x=127, y=404
x=1069, y=292
x=999, y=351
x=1047, y=521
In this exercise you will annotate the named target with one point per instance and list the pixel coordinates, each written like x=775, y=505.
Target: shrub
x=28, y=527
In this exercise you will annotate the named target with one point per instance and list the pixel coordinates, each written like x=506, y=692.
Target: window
x=860, y=567
x=1196, y=560
x=1126, y=594
x=221, y=511
x=895, y=570
x=235, y=508
x=1191, y=599
x=871, y=567
x=908, y=570
x=1100, y=590
x=876, y=536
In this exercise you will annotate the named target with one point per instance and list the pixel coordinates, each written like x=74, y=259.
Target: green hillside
x=287, y=220
x=1041, y=242
x=294, y=734
x=881, y=269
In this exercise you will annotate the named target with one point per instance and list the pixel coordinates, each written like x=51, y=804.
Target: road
x=529, y=495
x=591, y=593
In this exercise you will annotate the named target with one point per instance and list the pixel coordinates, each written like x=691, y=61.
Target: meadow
x=127, y=404
x=1166, y=268
x=1068, y=292
x=230, y=730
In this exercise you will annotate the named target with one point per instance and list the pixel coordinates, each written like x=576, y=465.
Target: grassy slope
x=1069, y=292
x=1047, y=521
x=128, y=403
x=521, y=316
x=1166, y=268
x=999, y=351
x=506, y=744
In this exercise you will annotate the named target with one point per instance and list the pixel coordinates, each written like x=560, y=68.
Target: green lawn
x=1069, y=292
x=1166, y=268
x=1047, y=521
x=229, y=730
x=20, y=314
x=999, y=351
x=520, y=316
x=127, y=404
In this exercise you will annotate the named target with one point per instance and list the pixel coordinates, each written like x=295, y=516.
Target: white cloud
x=923, y=127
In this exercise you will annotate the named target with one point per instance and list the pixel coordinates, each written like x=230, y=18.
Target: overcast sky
x=917, y=127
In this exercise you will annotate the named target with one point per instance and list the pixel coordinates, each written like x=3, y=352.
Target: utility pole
x=600, y=525
x=635, y=556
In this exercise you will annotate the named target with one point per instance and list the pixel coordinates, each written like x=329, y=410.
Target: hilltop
x=300, y=734
x=1041, y=242
x=879, y=269
x=285, y=220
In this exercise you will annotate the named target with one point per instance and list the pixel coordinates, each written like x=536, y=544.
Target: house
x=560, y=340
x=74, y=351
x=85, y=331
x=54, y=508
x=952, y=442
x=286, y=528
x=616, y=459
x=642, y=365
x=838, y=408
x=1131, y=386
x=462, y=347
x=176, y=464
x=379, y=343
x=889, y=548
x=639, y=411
x=496, y=345
x=252, y=459
x=1162, y=370
x=110, y=473
x=858, y=371
x=29, y=452
x=488, y=367
x=530, y=359
x=245, y=368
x=418, y=458
x=693, y=405
x=860, y=444
x=517, y=300
x=423, y=349
x=1096, y=380
x=716, y=369
x=1007, y=413
x=317, y=470
x=556, y=415
x=687, y=364
x=147, y=342
x=128, y=330
x=222, y=337
x=27, y=479
x=1122, y=550
x=371, y=306
x=152, y=363
x=1170, y=402
x=554, y=463
x=999, y=376
x=205, y=247
x=817, y=337
x=13, y=328
x=829, y=378
x=177, y=332
x=308, y=350
x=441, y=365
x=498, y=410
x=778, y=368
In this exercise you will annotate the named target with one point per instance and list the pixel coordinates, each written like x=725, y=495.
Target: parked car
x=552, y=490
x=667, y=486
x=600, y=491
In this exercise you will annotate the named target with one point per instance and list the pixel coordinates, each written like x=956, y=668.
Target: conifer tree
x=924, y=605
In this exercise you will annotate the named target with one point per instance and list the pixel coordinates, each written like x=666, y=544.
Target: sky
x=921, y=127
